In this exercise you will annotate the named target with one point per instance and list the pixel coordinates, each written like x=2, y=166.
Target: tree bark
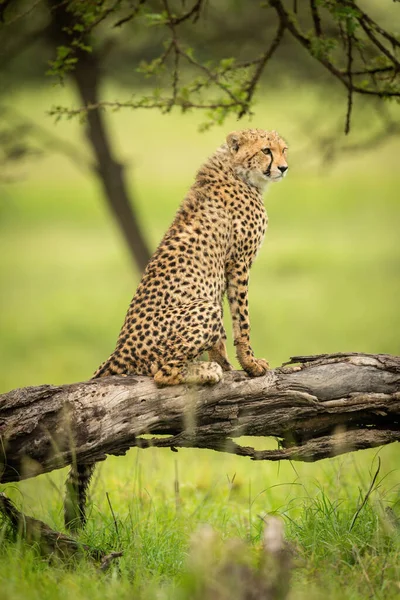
x=87, y=77
x=323, y=406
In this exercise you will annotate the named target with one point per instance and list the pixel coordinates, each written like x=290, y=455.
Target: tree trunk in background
x=110, y=172
x=86, y=76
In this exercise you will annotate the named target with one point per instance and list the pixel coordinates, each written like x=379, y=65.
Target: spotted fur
x=176, y=313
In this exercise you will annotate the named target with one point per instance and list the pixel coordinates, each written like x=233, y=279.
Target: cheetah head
x=258, y=156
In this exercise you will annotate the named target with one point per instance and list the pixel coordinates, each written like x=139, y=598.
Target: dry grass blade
x=367, y=495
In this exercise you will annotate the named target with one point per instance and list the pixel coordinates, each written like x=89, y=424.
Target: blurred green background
x=326, y=280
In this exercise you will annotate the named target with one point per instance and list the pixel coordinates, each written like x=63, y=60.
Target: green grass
x=327, y=279
x=155, y=525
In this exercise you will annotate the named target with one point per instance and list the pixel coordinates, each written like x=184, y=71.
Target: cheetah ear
x=233, y=141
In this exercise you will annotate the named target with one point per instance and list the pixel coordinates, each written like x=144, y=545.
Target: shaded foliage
x=351, y=46
x=213, y=55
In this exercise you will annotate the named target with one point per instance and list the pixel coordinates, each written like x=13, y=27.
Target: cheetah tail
x=79, y=477
x=76, y=485
x=104, y=370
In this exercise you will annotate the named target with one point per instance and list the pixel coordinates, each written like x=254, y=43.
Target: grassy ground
x=327, y=279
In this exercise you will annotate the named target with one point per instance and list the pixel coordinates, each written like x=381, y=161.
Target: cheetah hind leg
x=198, y=327
x=175, y=372
x=219, y=355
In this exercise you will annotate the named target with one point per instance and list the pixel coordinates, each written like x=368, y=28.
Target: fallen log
x=50, y=543
x=316, y=406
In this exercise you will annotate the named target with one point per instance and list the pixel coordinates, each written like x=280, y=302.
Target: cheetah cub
x=176, y=313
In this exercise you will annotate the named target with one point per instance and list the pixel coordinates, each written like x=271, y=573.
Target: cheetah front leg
x=238, y=280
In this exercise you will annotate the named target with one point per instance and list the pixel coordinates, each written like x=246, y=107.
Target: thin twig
x=316, y=18
x=162, y=104
x=213, y=77
x=103, y=16
x=166, y=52
x=175, y=78
x=20, y=15
x=50, y=140
x=379, y=45
x=366, y=18
x=175, y=46
x=261, y=65
x=349, y=74
x=193, y=12
x=131, y=16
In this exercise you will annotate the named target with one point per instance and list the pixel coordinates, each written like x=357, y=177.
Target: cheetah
x=176, y=312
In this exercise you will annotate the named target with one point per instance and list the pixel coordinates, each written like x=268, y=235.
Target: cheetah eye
x=267, y=151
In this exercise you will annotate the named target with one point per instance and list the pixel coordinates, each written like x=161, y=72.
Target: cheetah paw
x=205, y=372
x=257, y=367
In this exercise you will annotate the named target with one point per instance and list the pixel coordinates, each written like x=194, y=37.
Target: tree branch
x=48, y=139
x=51, y=543
x=378, y=44
x=260, y=68
x=367, y=19
x=192, y=12
x=131, y=16
x=326, y=405
x=349, y=75
x=292, y=26
x=316, y=18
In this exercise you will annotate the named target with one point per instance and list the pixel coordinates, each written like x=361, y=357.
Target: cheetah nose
x=283, y=169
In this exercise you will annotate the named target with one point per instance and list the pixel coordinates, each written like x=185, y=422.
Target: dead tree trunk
x=323, y=406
